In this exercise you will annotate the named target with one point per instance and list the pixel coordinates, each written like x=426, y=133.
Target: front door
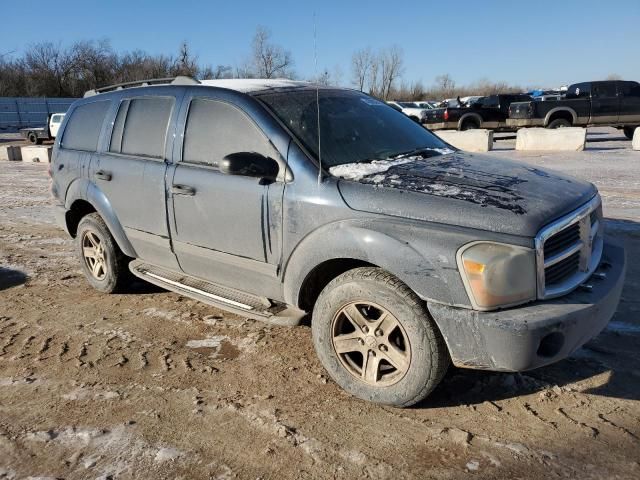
x=629, y=94
x=225, y=228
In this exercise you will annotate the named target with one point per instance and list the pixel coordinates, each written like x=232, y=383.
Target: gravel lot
x=153, y=385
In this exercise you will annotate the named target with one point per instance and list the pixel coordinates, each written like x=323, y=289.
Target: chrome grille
x=569, y=250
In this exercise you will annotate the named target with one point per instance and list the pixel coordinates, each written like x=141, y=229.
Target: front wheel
x=375, y=338
x=628, y=132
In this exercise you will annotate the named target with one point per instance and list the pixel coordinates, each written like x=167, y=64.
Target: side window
x=83, y=128
x=579, y=90
x=141, y=126
x=604, y=90
x=56, y=118
x=215, y=129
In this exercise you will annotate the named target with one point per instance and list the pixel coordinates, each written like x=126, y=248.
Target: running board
x=225, y=298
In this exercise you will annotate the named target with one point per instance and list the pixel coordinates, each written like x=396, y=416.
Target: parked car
x=408, y=253
x=425, y=105
x=411, y=110
x=487, y=112
x=36, y=135
x=614, y=103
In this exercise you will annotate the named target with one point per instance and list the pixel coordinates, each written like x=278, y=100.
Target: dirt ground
x=153, y=385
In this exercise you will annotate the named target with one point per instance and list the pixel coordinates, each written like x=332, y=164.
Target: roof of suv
x=247, y=85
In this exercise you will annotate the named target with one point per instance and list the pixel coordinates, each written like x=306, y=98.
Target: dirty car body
x=511, y=261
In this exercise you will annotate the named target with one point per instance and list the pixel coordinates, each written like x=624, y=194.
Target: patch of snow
x=253, y=84
x=210, y=342
x=356, y=171
x=165, y=454
x=473, y=465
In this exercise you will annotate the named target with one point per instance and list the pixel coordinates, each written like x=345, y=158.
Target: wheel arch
x=337, y=248
x=561, y=112
x=84, y=197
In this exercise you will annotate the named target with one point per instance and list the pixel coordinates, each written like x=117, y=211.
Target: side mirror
x=250, y=164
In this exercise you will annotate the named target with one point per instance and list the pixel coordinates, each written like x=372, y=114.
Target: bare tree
x=185, y=63
x=445, y=83
x=374, y=76
x=391, y=67
x=361, y=63
x=270, y=60
x=613, y=76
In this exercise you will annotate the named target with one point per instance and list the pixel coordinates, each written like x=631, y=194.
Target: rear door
x=225, y=228
x=131, y=172
x=629, y=94
x=605, y=103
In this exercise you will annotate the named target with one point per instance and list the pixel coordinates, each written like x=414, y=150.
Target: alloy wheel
x=371, y=343
x=94, y=255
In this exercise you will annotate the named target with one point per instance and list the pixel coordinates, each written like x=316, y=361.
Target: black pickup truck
x=613, y=103
x=487, y=112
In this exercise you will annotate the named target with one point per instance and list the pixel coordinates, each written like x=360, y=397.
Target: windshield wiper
x=415, y=151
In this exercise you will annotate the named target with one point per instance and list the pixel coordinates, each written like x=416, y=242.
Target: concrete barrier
x=36, y=154
x=469, y=140
x=635, y=144
x=559, y=139
x=11, y=153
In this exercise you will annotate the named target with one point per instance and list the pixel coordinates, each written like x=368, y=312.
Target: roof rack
x=179, y=80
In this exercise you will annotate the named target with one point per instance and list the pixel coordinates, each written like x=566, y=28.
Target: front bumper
x=536, y=334
x=525, y=122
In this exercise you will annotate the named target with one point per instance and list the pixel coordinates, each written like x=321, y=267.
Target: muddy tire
x=559, y=123
x=628, y=132
x=376, y=339
x=103, y=264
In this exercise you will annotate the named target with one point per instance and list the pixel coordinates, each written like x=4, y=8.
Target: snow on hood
x=357, y=171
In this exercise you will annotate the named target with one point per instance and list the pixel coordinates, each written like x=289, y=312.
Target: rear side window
x=579, y=90
x=83, y=128
x=141, y=126
x=215, y=129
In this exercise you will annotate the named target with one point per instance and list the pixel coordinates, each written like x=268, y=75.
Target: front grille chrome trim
x=589, y=245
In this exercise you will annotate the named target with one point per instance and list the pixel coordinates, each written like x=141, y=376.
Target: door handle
x=102, y=175
x=183, y=190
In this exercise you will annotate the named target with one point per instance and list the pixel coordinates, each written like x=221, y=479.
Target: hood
x=463, y=189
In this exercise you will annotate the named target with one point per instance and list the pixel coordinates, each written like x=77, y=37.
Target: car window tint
x=579, y=90
x=604, y=90
x=215, y=129
x=630, y=89
x=141, y=126
x=83, y=128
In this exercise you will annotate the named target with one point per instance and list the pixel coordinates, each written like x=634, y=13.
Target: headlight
x=497, y=275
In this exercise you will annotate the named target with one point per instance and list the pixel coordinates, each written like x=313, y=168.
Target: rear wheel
x=469, y=125
x=628, y=131
x=559, y=123
x=103, y=264
x=33, y=138
x=376, y=339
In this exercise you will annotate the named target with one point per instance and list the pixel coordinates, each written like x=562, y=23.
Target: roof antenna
x=315, y=52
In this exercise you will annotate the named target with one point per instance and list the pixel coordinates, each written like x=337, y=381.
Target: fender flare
x=82, y=189
x=550, y=113
x=470, y=115
x=344, y=240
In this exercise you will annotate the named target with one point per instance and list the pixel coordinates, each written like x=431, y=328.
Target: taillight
x=445, y=115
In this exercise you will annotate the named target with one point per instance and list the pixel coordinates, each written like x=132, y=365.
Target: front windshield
x=354, y=127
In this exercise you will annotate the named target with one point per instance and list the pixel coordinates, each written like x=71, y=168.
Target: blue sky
x=536, y=43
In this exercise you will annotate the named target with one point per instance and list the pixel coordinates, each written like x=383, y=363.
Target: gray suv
x=276, y=199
